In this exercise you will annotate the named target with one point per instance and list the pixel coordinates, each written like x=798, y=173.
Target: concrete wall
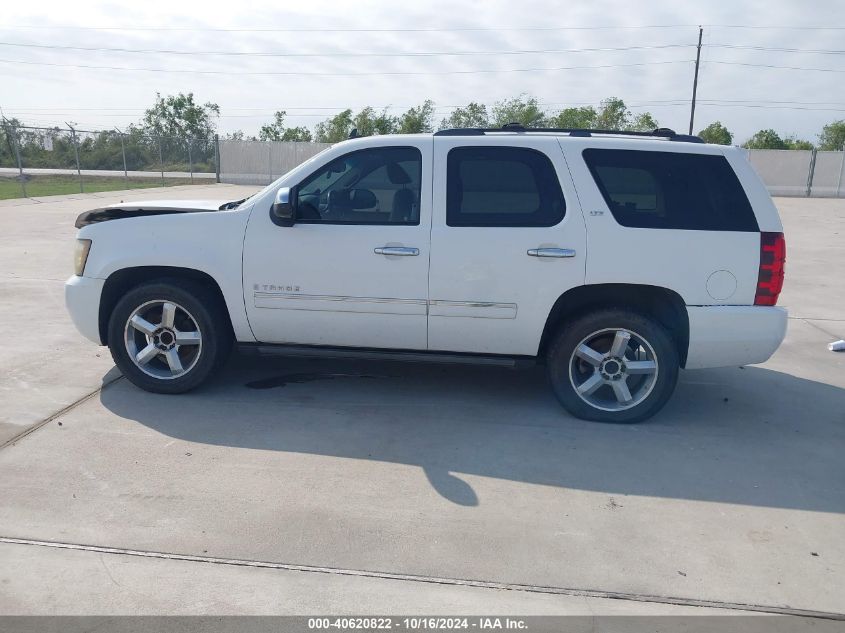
x=261, y=162
x=785, y=172
x=788, y=172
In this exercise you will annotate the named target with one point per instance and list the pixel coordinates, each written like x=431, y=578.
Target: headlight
x=83, y=247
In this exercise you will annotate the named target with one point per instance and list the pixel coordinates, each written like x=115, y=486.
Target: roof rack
x=661, y=132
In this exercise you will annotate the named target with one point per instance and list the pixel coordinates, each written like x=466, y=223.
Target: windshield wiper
x=232, y=205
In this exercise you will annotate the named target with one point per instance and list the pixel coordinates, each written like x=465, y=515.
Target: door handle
x=551, y=252
x=402, y=251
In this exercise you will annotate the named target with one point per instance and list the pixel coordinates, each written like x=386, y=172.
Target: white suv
x=615, y=258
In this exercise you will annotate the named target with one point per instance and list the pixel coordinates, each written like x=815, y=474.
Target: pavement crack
x=456, y=582
x=819, y=328
x=54, y=416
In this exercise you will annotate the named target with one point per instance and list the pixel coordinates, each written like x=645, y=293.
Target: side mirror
x=282, y=212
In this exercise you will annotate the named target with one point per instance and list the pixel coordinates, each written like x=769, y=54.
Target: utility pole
x=123, y=151
x=695, y=81
x=76, y=153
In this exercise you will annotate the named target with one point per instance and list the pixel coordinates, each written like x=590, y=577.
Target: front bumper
x=727, y=336
x=82, y=298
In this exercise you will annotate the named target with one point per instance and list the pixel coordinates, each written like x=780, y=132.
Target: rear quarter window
x=671, y=190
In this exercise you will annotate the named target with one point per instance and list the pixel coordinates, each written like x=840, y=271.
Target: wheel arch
x=122, y=281
x=663, y=304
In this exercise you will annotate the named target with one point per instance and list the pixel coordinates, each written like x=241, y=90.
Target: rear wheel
x=169, y=336
x=613, y=365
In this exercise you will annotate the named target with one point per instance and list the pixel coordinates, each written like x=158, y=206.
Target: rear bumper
x=725, y=336
x=82, y=298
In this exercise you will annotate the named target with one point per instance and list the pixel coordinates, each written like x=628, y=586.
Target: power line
x=777, y=49
x=416, y=30
x=769, y=107
x=608, y=49
x=343, y=54
x=394, y=105
x=346, y=30
x=778, y=28
x=438, y=111
x=820, y=70
x=420, y=53
x=337, y=74
x=414, y=73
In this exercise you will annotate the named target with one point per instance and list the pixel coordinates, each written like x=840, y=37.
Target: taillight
x=772, y=260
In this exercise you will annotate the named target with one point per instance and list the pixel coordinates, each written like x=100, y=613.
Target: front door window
x=372, y=186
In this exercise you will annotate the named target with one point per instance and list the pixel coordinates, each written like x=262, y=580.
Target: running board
x=357, y=353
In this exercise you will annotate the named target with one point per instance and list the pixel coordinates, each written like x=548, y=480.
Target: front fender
x=211, y=243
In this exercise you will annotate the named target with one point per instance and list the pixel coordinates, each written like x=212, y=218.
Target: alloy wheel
x=613, y=369
x=163, y=339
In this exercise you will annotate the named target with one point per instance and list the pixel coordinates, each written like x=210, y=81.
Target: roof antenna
x=354, y=133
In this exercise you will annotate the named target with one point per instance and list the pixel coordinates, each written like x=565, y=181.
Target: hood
x=140, y=208
x=188, y=205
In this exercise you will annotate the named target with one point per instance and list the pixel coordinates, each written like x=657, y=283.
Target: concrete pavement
x=732, y=496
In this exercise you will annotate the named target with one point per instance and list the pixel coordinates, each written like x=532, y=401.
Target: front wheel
x=169, y=336
x=613, y=366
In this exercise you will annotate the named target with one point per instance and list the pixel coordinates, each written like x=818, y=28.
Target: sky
x=764, y=63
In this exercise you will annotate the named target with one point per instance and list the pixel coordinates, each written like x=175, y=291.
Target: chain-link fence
x=44, y=161
x=261, y=162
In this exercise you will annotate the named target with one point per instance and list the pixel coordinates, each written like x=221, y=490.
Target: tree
x=797, y=143
x=273, y=131
x=769, y=139
x=299, y=134
x=418, y=119
x=7, y=146
x=523, y=110
x=613, y=115
x=473, y=115
x=276, y=131
x=179, y=115
x=643, y=122
x=765, y=139
x=717, y=134
x=832, y=137
x=334, y=129
x=582, y=118
x=368, y=123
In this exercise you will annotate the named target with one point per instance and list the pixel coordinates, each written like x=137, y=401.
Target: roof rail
x=661, y=132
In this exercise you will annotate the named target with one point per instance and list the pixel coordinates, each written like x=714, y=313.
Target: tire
x=613, y=365
x=169, y=335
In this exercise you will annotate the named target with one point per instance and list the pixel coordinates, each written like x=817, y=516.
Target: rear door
x=507, y=240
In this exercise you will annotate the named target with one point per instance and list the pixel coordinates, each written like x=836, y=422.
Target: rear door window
x=671, y=190
x=502, y=186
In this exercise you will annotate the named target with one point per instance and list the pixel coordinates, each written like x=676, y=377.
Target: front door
x=507, y=240
x=353, y=270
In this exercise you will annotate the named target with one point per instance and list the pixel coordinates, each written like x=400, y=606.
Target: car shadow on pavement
x=749, y=435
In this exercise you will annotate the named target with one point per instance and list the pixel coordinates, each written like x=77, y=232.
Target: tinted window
x=372, y=186
x=502, y=186
x=667, y=190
